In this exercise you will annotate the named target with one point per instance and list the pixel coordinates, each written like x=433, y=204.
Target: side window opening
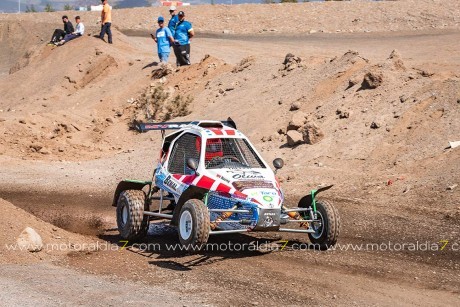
x=187, y=146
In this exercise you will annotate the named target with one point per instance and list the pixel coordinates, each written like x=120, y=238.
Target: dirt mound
x=16, y=40
x=170, y=95
x=67, y=106
x=56, y=241
x=244, y=64
x=31, y=55
x=370, y=115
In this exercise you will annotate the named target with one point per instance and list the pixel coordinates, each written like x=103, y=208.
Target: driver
x=213, y=149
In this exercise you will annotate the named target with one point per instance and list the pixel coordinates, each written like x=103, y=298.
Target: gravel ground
x=49, y=285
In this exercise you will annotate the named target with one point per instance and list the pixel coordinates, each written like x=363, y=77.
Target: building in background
x=175, y=3
x=97, y=8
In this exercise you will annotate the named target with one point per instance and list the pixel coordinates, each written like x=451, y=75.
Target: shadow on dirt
x=153, y=64
x=163, y=249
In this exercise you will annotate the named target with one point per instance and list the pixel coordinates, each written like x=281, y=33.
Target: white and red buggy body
x=217, y=182
x=228, y=182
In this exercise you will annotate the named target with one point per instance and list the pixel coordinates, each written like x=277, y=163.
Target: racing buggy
x=210, y=180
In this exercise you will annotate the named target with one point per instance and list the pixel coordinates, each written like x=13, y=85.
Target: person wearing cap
x=174, y=19
x=182, y=35
x=164, y=38
x=106, y=20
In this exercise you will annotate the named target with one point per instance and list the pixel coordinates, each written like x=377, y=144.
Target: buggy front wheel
x=193, y=225
x=327, y=226
x=131, y=221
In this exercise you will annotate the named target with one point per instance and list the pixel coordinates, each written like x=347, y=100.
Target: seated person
x=213, y=149
x=59, y=33
x=79, y=31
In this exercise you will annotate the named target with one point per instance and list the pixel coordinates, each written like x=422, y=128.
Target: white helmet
x=172, y=8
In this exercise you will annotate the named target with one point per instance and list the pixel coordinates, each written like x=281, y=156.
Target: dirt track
x=273, y=274
x=268, y=278
x=72, y=189
x=56, y=288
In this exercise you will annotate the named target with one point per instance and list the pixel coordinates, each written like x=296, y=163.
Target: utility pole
x=19, y=6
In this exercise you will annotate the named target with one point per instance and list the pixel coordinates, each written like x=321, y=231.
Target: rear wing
x=144, y=127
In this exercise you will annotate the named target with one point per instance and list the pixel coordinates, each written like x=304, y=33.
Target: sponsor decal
x=252, y=184
x=268, y=198
x=222, y=178
x=268, y=221
x=169, y=182
x=246, y=175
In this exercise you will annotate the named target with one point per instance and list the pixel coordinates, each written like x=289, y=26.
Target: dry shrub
x=178, y=107
x=162, y=71
x=156, y=104
x=244, y=63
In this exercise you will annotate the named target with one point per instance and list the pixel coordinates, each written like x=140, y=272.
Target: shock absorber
x=223, y=217
x=296, y=216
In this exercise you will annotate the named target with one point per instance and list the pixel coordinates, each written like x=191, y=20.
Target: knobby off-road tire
x=193, y=227
x=329, y=233
x=131, y=221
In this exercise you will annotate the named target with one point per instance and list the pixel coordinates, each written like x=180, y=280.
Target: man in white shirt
x=79, y=31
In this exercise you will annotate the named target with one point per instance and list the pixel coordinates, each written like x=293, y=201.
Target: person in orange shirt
x=106, y=20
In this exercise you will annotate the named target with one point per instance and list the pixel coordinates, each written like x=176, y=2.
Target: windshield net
x=231, y=153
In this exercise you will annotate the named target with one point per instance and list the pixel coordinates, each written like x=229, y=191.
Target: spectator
x=106, y=19
x=59, y=34
x=164, y=38
x=182, y=35
x=174, y=19
x=79, y=31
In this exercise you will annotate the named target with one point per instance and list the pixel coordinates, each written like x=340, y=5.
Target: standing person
x=182, y=35
x=164, y=38
x=59, y=34
x=79, y=31
x=174, y=19
x=106, y=19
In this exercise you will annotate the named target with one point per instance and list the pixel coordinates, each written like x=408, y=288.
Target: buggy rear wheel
x=193, y=226
x=131, y=221
x=327, y=228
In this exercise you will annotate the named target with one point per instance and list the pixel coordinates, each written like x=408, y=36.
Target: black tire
x=193, y=225
x=131, y=221
x=327, y=234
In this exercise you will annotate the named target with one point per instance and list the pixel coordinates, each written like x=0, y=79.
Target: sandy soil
x=65, y=143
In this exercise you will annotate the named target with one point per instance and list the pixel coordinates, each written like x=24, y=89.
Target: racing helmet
x=213, y=149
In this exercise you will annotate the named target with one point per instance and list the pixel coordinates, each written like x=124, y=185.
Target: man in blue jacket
x=182, y=35
x=174, y=19
x=164, y=38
